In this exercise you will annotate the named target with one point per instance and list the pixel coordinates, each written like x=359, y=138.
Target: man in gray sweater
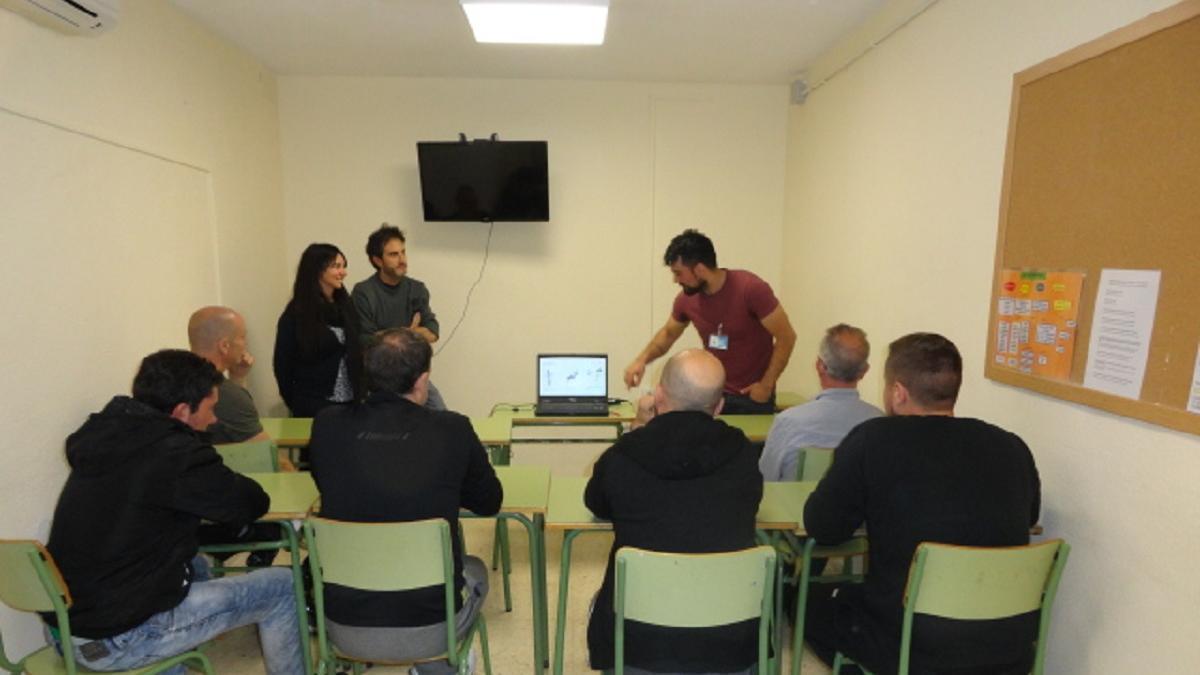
x=392, y=299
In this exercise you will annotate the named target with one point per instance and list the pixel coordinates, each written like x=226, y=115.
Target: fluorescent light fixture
x=538, y=22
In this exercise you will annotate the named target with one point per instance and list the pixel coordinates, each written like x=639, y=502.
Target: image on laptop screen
x=572, y=375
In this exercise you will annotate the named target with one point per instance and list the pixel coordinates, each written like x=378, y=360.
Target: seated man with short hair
x=124, y=530
x=824, y=421
x=219, y=335
x=684, y=482
x=391, y=459
x=921, y=474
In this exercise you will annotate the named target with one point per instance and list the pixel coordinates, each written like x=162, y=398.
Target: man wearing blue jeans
x=124, y=532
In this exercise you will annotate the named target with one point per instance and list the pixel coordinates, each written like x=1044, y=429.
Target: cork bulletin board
x=1102, y=171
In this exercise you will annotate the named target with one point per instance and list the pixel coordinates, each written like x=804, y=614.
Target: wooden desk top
x=566, y=510
x=288, y=432
x=292, y=493
x=787, y=399
x=493, y=430
x=295, y=432
x=782, y=505
x=781, y=508
x=523, y=415
x=754, y=426
x=526, y=488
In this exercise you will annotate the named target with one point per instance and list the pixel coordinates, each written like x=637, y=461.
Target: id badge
x=718, y=340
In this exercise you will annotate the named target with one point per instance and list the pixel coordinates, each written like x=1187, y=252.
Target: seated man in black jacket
x=683, y=483
x=921, y=474
x=124, y=531
x=391, y=459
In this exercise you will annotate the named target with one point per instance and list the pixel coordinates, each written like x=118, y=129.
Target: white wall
x=894, y=171
x=630, y=166
x=139, y=178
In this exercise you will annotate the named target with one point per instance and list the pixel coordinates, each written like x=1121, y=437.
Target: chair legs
x=502, y=558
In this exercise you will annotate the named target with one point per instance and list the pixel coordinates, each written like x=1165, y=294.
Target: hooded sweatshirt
x=124, y=529
x=684, y=483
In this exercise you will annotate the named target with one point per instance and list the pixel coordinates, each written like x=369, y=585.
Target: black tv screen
x=483, y=180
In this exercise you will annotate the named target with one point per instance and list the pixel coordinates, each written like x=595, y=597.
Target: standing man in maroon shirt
x=739, y=320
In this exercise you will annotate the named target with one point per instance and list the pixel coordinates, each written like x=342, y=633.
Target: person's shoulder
x=417, y=285
x=874, y=431
x=799, y=411
x=363, y=287
x=748, y=278
x=230, y=389
x=980, y=427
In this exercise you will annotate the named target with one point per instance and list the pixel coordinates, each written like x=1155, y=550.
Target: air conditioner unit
x=76, y=17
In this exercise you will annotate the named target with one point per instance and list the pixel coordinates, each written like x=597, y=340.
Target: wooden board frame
x=1176, y=333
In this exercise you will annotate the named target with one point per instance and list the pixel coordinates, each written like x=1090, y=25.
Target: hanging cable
x=486, y=251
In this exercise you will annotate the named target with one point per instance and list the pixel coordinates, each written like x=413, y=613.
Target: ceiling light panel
x=546, y=22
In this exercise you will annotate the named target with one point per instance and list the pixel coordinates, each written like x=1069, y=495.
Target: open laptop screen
x=572, y=375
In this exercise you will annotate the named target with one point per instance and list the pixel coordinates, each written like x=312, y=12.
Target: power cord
x=466, y=305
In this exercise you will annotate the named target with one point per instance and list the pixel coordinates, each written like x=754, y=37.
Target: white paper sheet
x=1121, y=328
x=1194, y=396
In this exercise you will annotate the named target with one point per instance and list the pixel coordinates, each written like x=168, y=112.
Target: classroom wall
x=140, y=179
x=893, y=186
x=631, y=165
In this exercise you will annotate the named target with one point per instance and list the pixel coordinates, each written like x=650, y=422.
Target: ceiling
x=729, y=41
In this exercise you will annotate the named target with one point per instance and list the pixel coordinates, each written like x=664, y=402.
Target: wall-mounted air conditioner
x=77, y=17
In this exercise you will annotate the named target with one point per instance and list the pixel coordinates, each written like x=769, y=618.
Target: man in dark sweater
x=392, y=299
x=219, y=335
x=683, y=483
x=124, y=530
x=921, y=474
x=393, y=459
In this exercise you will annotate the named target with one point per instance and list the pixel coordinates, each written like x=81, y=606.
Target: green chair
x=31, y=582
x=386, y=557
x=975, y=584
x=692, y=591
x=847, y=550
x=814, y=463
x=250, y=456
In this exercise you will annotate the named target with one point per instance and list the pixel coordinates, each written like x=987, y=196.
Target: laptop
x=572, y=385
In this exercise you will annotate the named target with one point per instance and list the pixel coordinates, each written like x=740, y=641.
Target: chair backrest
x=250, y=456
x=381, y=557
x=27, y=581
x=31, y=582
x=814, y=463
x=694, y=590
x=972, y=583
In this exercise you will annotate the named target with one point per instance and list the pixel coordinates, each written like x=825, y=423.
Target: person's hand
x=239, y=370
x=634, y=373
x=645, y=411
x=415, y=326
x=758, y=392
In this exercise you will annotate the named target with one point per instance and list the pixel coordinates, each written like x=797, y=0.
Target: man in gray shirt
x=219, y=335
x=392, y=299
x=824, y=421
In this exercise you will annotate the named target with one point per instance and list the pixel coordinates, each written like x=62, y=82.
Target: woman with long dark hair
x=318, y=359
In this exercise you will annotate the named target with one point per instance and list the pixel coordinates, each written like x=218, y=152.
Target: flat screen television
x=484, y=180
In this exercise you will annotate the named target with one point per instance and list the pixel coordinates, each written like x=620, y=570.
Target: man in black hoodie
x=124, y=533
x=394, y=459
x=683, y=483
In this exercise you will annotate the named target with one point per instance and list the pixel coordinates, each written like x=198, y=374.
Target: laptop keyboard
x=567, y=409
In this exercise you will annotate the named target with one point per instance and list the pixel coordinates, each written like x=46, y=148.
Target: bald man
x=219, y=335
x=684, y=482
